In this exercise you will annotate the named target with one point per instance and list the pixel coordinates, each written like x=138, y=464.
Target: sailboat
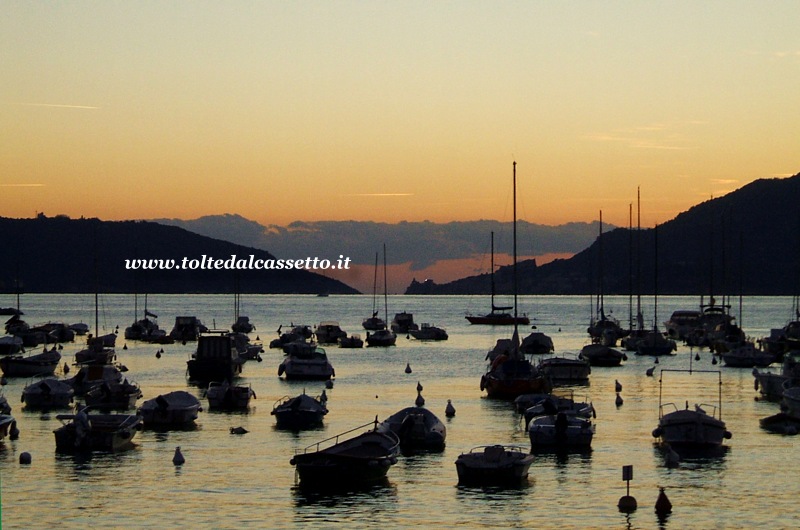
x=383, y=337
x=99, y=348
x=374, y=323
x=499, y=315
x=655, y=343
x=604, y=329
x=510, y=373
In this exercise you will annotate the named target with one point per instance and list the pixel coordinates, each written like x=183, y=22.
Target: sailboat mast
x=385, y=289
x=375, y=286
x=655, y=273
x=492, y=269
x=515, y=246
x=600, y=280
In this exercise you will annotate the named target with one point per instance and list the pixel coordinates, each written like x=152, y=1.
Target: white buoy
x=617, y=386
x=449, y=410
x=618, y=401
x=178, y=459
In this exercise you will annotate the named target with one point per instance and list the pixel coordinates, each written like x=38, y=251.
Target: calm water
x=232, y=481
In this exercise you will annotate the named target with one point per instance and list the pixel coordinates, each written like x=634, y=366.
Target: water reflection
x=342, y=498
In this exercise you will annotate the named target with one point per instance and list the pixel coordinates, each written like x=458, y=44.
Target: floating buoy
x=617, y=386
x=25, y=457
x=408, y=368
x=449, y=410
x=649, y=372
x=178, y=459
x=125, y=346
x=618, y=401
x=329, y=383
x=627, y=504
x=656, y=361
x=713, y=360
x=420, y=401
x=663, y=506
x=158, y=354
x=419, y=386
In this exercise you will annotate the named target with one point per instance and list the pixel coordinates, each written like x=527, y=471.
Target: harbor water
x=246, y=481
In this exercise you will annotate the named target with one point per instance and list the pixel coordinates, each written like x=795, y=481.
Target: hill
x=62, y=255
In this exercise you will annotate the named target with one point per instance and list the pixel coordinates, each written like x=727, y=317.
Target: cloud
x=56, y=105
x=21, y=185
x=377, y=195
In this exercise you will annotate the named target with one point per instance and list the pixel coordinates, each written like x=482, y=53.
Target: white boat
x=229, y=397
x=173, y=409
x=534, y=406
x=417, y=428
x=565, y=370
x=699, y=427
x=48, y=393
x=563, y=430
x=746, y=355
x=306, y=362
x=428, y=332
x=215, y=359
x=494, y=465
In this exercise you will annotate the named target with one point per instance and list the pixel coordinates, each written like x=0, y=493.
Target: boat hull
x=493, y=466
x=690, y=429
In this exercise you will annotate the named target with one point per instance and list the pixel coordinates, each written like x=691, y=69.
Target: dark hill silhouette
x=58, y=255
x=747, y=242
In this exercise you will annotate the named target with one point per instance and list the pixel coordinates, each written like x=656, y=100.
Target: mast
x=385, y=289
x=600, y=280
x=375, y=286
x=492, y=269
x=515, y=246
x=655, y=273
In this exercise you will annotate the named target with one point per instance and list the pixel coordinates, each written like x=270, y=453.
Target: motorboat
x=403, y=323
x=44, y=363
x=655, y=343
x=417, y=428
x=338, y=462
x=536, y=405
x=113, y=395
x=353, y=341
x=381, y=338
x=92, y=375
x=187, y=328
x=510, y=374
x=248, y=351
x=681, y=323
x=601, y=355
x=224, y=395
x=299, y=412
x=296, y=333
x=772, y=385
x=306, y=361
x=790, y=404
x=215, y=359
x=746, y=355
x=565, y=370
x=10, y=344
x=243, y=325
x=537, y=343
x=563, y=430
x=329, y=332
x=428, y=332
x=96, y=352
x=174, y=409
x=88, y=431
x=7, y=426
x=49, y=393
x=494, y=465
x=700, y=427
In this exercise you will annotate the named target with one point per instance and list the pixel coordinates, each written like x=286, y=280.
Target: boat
x=187, y=328
x=563, y=430
x=299, y=412
x=494, y=465
x=10, y=344
x=329, y=332
x=7, y=426
x=780, y=423
x=225, y=396
x=144, y=329
x=374, y=323
x=96, y=352
x=746, y=355
x=216, y=358
x=92, y=375
x=88, y=431
x=248, y=351
x=307, y=362
x=173, y=409
x=603, y=329
x=113, y=395
x=417, y=428
x=697, y=428
x=510, y=373
x=601, y=355
x=47, y=394
x=499, y=315
x=44, y=363
x=383, y=337
x=565, y=370
x=772, y=385
x=428, y=332
x=353, y=341
x=654, y=342
x=681, y=323
x=536, y=405
x=340, y=462
x=537, y=343
x=403, y=323
x=296, y=333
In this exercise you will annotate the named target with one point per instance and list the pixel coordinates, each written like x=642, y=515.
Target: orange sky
x=283, y=111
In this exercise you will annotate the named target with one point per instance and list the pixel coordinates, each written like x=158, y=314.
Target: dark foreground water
x=231, y=481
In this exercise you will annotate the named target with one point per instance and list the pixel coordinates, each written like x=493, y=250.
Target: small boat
x=173, y=409
x=417, y=428
x=299, y=412
x=694, y=428
x=7, y=425
x=537, y=343
x=297, y=333
x=88, y=431
x=682, y=322
x=563, y=430
x=565, y=370
x=374, y=323
x=403, y=323
x=187, y=328
x=242, y=325
x=92, y=375
x=359, y=461
x=381, y=338
x=306, y=361
x=428, y=332
x=229, y=397
x=248, y=351
x=510, y=374
x=353, y=341
x=44, y=363
x=113, y=395
x=655, y=343
x=329, y=332
x=772, y=385
x=746, y=355
x=494, y=465
x=215, y=359
x=601, y=355
x=96, y=352
x=537, y=405
x=10, y=344
x=48, y=393
x=780, y=423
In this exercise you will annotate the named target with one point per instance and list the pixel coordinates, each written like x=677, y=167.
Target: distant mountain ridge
x=62, y=255
x=746, y=242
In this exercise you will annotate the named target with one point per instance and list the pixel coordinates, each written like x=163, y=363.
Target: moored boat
x=226, y=396
x=88, y=431
x=299, y=412
x=417, y=428
x=494, y=465
x=215, y=359
x=43, y=363
x=306, y=361
x=48, y=393
x=173, y=409
x=428, y=332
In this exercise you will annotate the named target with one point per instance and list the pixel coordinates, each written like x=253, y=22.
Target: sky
x=390, y=111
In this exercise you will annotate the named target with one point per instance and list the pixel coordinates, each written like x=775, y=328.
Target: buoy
x=420, y=401
x=323, y=397
x=125, y=346
x=449, y=410
x=627, y=504
x=158, y=354
x=25, y=457
x=618, y=401
x=617, y=386
x=329, y=383
x=419, y=386
x=408, y=368
x=178, y=459
x=663, y=506
x=66, y=368
x=696, y=356
x=649, y=372
x=713, y=360
x=656, y=360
